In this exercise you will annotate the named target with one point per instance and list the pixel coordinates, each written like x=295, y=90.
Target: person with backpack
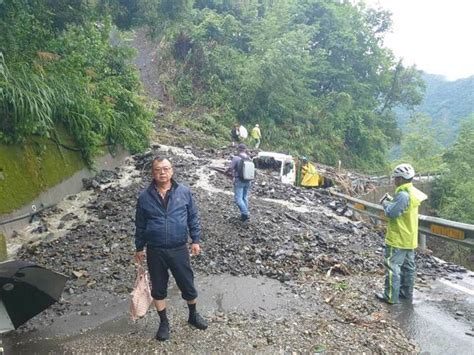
x=243, y=171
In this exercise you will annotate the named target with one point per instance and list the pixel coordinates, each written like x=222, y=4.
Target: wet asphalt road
x=439, y=320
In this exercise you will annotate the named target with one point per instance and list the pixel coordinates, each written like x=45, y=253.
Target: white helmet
x=405, y=171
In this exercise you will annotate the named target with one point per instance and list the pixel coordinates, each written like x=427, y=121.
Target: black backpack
x=246, y=169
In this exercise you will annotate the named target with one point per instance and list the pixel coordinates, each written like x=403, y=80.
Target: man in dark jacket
x=166, y=214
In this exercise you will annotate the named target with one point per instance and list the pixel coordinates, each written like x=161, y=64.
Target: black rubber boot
x=195, y=318
x=197, y=321
x=163, y=332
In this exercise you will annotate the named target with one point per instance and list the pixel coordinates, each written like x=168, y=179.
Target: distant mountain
x=446, y=102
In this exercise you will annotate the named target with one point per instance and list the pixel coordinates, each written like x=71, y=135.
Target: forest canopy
x=453, y=195
x=313, y=73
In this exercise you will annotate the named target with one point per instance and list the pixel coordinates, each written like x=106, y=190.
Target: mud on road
x=299, y=277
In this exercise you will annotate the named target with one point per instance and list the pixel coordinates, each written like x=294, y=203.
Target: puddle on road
x=222, y=293
x=226, y=293
x=48, y=338
x=431, y=320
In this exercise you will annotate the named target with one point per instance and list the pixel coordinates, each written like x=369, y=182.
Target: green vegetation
x=421, y=145
x=58, y=67
x=429, y=142
x=313, y=73
x=28, y=169
x=340, y=286
x=446, y=102
x=453, y=193
x=3, y=248
x=319, y=348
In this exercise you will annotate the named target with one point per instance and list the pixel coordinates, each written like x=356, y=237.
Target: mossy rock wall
x=28, y=170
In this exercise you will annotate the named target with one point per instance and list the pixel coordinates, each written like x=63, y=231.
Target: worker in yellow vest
x=401, y=239
x=256, y=135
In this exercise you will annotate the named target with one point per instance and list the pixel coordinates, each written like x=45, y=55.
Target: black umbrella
x=26, y=289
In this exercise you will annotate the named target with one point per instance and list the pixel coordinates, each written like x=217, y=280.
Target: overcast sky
x=436, y=35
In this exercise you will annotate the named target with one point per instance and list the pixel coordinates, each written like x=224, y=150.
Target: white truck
x=280, y=165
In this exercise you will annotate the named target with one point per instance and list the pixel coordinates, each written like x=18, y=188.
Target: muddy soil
x=327, y=265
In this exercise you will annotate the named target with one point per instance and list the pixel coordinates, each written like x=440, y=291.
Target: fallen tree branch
x=307, y=226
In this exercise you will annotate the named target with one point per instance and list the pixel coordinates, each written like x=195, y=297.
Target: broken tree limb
x=221, y=170
x=315, y=232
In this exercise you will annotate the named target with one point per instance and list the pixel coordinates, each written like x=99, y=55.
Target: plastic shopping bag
x=141, y=294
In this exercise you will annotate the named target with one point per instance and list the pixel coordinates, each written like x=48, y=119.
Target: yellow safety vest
x=310, y=176
x=256, y=133
x=402, y=232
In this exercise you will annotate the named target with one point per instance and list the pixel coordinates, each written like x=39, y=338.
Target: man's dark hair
x=160, y=159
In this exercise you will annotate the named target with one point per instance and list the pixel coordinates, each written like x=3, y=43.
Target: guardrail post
x=422, y=241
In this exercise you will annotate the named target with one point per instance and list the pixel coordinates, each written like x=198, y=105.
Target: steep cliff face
x=29, y=169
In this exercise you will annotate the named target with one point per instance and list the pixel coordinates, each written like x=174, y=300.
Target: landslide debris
x=331, y=264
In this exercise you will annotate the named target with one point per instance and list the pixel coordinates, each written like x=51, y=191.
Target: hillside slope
x=446, y=102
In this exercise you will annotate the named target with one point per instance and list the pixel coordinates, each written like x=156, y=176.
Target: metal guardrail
x=461, y=233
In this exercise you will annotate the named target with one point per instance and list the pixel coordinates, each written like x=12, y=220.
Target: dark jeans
x=177, y=260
